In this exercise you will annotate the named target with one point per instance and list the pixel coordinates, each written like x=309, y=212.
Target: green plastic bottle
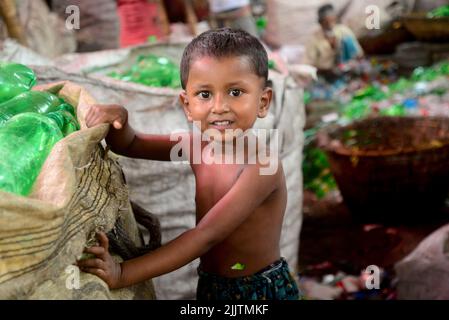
x=439, y=12
x=14, y=79
x=318, y=177
x=151, y=70
x=65, y=120
x=30, y=101
x=394, y=110
x=67, y=107
x=25, y=142
x=356, y=109
x=370, y=92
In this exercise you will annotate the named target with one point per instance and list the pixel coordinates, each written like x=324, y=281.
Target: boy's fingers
x=98, y=251
x=89, y=117
x=117, y=124
x=103, y=239
x=96, y=271
x=95, y=119
x=91, y=263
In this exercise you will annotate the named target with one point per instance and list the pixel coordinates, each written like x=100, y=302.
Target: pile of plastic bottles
x=31, y=122
x=344, y=286
x=424, y=93
x=350, y=77
x=151, y=70
x=318, y=177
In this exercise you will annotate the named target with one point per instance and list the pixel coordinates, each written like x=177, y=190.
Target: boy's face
x=224, y=94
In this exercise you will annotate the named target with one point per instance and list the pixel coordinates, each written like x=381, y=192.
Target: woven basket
x=390, y=168
x=427, y=29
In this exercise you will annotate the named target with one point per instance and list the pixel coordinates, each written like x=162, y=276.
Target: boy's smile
x=224, y=94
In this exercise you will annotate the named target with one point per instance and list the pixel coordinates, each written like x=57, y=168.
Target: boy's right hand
x=113, y=114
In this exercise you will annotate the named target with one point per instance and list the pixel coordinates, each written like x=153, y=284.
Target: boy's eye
x=236, y=92
x=205, y=95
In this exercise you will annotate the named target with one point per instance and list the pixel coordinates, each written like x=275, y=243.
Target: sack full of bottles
x=31, y=122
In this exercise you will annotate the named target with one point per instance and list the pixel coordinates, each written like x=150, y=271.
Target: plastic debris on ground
x=325, y=283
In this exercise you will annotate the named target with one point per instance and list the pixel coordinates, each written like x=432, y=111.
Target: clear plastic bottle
x=14, y=79
x=25, y=142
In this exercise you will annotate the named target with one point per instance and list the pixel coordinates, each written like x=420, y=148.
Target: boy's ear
x=185, y=105
x=265, y=102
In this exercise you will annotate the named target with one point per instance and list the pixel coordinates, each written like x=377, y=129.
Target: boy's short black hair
x=324, y=10
x=225, y=42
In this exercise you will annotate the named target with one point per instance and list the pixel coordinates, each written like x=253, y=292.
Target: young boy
x=239, y=210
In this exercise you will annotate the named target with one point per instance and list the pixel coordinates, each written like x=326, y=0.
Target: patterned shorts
x=274, y=282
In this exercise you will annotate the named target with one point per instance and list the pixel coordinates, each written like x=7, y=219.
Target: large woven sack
x=45, y=32
x=11, y=50
x=166, y=189
x=99, y=24
x=80, y=190
x=424, y=274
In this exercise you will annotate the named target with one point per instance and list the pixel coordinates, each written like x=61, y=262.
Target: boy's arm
x=124, y=140
x=248, y=192
x=130, y=143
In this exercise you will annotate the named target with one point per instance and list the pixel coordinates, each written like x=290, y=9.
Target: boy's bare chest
x=213, y=182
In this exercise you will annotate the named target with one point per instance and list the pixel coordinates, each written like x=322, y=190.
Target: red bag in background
x=139, y=20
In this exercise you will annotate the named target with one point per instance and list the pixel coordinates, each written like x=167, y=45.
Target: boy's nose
x=220, y=105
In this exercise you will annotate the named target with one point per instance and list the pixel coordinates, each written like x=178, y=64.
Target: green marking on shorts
x=238, y=266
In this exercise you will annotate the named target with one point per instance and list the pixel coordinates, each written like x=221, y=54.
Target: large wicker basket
x=427, y=29
x=390, y=168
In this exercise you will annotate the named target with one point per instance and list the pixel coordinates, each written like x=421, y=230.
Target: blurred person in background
x=333, y=44
x=235, y=14
x=99, y=23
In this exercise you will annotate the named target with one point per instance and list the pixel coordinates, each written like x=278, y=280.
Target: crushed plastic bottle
x=30, y=101
x=25, y=142
x=356, y=109
x=400, y=86
x=394, y=110
x=440, y=12
x=15, y=79
x=425, y=74
x=318, y=177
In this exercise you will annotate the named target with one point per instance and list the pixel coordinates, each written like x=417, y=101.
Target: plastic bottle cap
x=410, y=103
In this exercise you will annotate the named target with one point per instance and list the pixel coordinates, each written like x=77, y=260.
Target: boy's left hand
x=103, y=265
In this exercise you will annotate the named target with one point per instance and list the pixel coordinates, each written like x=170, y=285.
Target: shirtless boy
x=239, y=211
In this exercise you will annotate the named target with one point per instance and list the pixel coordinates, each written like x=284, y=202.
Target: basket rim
x=422, y=16
x=324, y=139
